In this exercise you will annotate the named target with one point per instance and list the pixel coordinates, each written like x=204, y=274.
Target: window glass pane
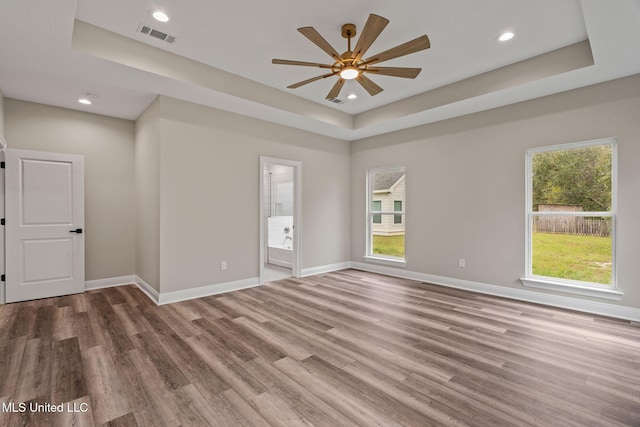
x=572, y=247
x=572, y=180
x=386, y=194
x=388, y=237
x=377, y=206
x=397, y=206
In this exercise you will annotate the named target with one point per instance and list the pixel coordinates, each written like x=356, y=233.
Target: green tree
x=580, y=176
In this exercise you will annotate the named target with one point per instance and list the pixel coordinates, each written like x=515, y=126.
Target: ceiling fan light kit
x=349, y=73
x=351, y=65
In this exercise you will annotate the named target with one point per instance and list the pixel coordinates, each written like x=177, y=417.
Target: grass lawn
x=585, y=258
x=388, y=245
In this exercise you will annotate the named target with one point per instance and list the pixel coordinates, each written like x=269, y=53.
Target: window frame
x=369, y=213
x=598, y=290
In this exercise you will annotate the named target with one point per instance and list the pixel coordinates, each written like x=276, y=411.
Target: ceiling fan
x=352, y=64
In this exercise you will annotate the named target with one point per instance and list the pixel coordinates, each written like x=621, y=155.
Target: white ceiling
x=42, y=60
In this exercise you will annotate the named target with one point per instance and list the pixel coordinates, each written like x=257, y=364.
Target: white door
x=44, y=224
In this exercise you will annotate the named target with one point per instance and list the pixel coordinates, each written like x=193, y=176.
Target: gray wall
x=184, y=196
x=107, y=145
x=1, y=114
x=466, y=182
x=147, y=189
x=209, y=194
x=2, y=199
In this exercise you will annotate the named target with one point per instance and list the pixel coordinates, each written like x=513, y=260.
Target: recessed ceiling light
x=352, y=96
x=160, y=16
x=507, y=35
x=87, y=99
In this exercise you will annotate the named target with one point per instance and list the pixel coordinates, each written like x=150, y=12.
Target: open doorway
x=280, y=211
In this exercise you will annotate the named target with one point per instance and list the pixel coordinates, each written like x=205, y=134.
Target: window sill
x=385, y=261
x=550, y=285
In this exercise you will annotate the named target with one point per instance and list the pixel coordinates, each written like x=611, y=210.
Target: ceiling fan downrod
x=348, y=32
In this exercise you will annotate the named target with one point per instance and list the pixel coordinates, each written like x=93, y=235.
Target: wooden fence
x=584, y=226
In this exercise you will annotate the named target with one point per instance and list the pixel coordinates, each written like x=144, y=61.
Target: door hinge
x=2, y=221
x=2, y=278
x=1, y=165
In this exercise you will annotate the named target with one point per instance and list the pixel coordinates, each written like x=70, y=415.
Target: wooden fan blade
x=372, y=29
x=407, y=73
x=368, y=85
x=313, y=79
x=335, y=90
x=407, y=48
x=304, y=64
x=318, y=40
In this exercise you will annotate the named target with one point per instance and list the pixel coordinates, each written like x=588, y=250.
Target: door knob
x=77, y=230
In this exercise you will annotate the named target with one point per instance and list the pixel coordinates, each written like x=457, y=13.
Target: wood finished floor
x=340, y=349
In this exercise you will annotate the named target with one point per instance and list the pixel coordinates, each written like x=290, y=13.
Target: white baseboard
x=324, y=269
x=220, y=288
x=205, y=291
x=588, y=306
x=109, y=282
x=147, y=289
x=193, y=293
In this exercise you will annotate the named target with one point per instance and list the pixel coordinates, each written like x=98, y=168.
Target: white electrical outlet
x=223, y=265
x=461, y=262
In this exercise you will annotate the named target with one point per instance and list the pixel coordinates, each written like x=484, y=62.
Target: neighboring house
x=388, y=196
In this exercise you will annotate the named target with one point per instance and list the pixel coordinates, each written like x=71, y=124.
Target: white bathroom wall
x=284, y=198
x=278, y=190
x=278, y=203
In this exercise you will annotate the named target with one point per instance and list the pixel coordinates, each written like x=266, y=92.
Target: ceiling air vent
x=152, y=32
x=336, y=100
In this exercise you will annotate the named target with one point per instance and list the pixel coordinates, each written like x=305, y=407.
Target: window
x=571, y=216
x=397, y=207
x=377, y=207
x=386, y=203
